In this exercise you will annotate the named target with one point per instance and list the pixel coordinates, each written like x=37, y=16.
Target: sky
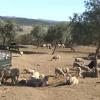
x=59, y=10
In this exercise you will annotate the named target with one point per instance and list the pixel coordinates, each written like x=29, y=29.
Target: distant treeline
x=29, y=22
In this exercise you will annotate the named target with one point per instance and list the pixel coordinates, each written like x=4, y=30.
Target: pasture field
x=39, y=59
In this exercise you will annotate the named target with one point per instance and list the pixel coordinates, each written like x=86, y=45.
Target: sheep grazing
x=59, y=71
x=10, y=73
x=55, y=57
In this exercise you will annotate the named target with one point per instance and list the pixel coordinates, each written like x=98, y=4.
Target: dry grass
x=39, y=59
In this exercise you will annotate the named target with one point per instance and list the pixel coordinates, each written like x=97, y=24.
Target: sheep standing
x=10, y=73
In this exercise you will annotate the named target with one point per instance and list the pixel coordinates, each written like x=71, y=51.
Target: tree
x=38, y=34
x=86, y=25
x=92, y=16
x=57, y=34
x=7, y=31
x=90, y=21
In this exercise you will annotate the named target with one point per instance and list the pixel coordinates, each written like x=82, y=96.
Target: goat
x=10, y=73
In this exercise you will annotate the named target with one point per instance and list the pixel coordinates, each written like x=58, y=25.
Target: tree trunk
x=96, y=57
x=97, y=50
x=38, y=43
x=55, y=48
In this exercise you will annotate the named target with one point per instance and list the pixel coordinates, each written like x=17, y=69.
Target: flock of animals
x=70, y=75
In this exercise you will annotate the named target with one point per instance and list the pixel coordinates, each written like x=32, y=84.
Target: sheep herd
x=37, y=79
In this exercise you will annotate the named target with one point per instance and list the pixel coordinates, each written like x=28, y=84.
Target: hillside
x=29, y=22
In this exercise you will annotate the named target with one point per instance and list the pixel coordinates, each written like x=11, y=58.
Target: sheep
x=59, y=45
x=55, y=57
x=63, y=45
x=11, y=73
x=29, y=71
x=21, y=53
x=59, y=71
x=36, y=75
x=48, y=46
x=81, y=60
x=38, y=82
x=41, y=76
x=79, y=72
x=82, y=66
x=72, y=80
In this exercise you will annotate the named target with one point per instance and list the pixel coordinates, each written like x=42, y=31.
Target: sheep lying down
x=34, y=82
x=70, y=80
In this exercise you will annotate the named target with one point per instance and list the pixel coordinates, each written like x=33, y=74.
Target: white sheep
x=82, y=66
x=36, y=75
x=29, y=71
x=81, y=60
x=72, y=80
x=63, y=45
x=79, y=72
x=55, y=57
x=41, y=76
x=21, y=53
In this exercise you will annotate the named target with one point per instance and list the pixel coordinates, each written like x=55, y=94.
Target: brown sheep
x=13, y=74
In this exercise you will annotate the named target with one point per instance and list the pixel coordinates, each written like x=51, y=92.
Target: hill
x=29, y=22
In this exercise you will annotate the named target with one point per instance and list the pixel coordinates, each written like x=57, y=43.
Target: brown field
x=39, y=59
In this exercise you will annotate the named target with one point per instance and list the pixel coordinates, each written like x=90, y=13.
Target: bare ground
x=39, y=59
